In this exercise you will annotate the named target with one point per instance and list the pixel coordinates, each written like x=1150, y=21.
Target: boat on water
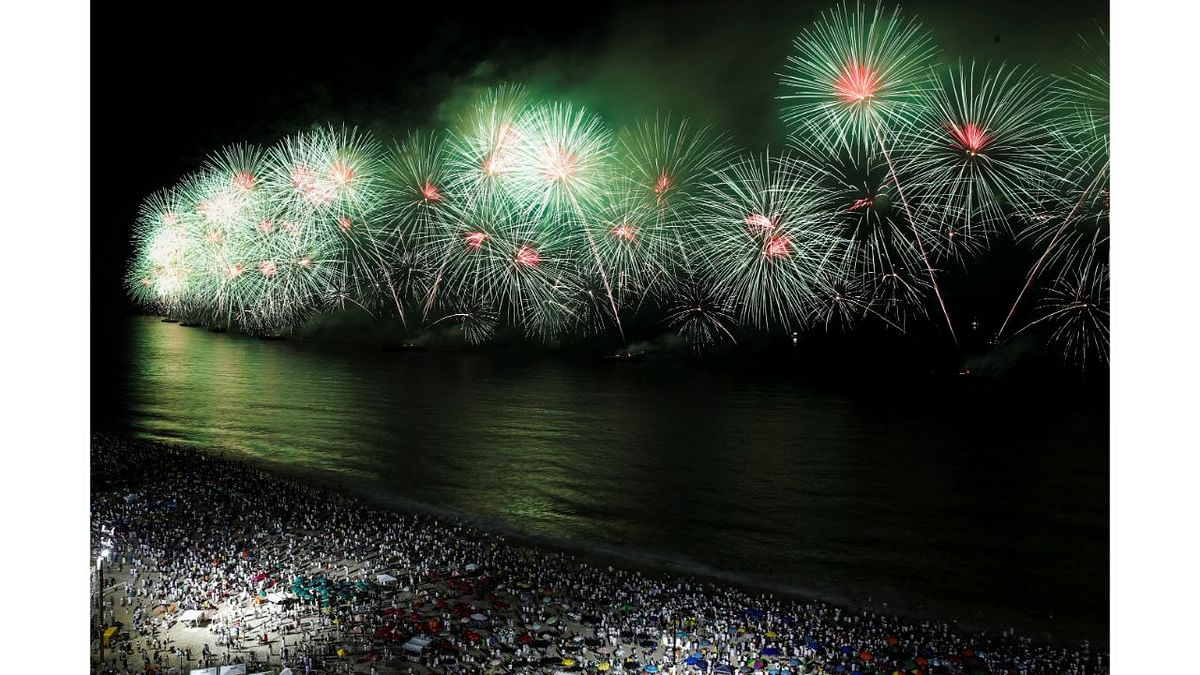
x=167, y=319
x=405, y=348
x=216, y=329
x=624, y=356
x=190, y=324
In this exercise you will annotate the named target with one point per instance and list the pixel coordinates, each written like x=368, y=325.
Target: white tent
x=416, y=645
x=276, y=597
x=239, y=669
x=207, y=671
x=191, y=616
x=385, y=578
x=471, y=567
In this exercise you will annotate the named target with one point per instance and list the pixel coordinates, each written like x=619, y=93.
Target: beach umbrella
x=631, y=665
x=847, y=649
x=604, y=666
x=770, y=651
x=892, y=640
x=691, y=660
x=866, y=656
x=772, y=634
x=568, y=662
x=652, y=668
x=702, y=664
x=724, y=669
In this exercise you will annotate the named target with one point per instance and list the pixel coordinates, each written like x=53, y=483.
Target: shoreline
x=466, y=533
x=606, y=553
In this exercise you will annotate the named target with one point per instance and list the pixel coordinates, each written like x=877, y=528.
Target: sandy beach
x=210, y=562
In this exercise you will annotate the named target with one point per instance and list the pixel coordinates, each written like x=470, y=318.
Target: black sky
x=170, y=88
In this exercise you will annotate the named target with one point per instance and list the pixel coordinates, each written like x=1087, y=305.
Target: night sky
x=170, y=89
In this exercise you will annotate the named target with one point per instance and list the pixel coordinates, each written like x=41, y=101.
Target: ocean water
x=984, y=502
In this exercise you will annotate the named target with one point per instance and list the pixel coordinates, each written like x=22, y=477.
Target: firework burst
x=1075, y=306
x=980, y=152
x=1072, y=230
x=764, y=239
x=854, y=71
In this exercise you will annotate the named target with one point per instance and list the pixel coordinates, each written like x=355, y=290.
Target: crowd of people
x=208, y=562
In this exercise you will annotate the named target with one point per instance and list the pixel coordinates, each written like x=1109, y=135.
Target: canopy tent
x=416, y=645
x=207, y=671
x=238, y=669
x=191, y=616
x=385, y=578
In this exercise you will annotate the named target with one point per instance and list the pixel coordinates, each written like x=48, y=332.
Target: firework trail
x=701, y=316
x=1072, y=239
x=1076, y=305
x=857, y=77
x=879, y=254
x=764, y=239
x=535, y=216
x=564, y=168
x=981, y=150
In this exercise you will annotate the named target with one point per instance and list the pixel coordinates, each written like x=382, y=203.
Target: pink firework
x=306, y=261
x=267, y=268
x=757, y=222
x=779, y=247
x=215, y=237
x=344, y=223
x=430, y=192
x=495, y=164
x=244, y=181
x=235, y=271
x=856, y=83
x=474, y=240
x=970, y=137
x=309, y=186
x=341, y=173
x=859, y=204
x=170, y=218
x=559, y=165
x=528, y=256
x=265, y=225
x=624, y=231
x=664, y=183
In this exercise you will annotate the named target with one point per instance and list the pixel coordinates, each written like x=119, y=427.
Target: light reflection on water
x=950, y=500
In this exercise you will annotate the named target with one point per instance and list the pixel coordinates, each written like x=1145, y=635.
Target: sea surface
x=981, y=501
